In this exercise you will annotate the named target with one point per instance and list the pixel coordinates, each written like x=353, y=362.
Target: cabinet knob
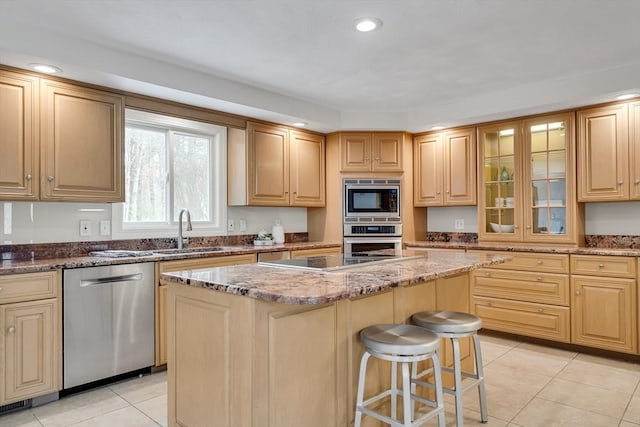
x=447, y=191
x=601, y=265
x=541, y=310
x=11, y=329
x=620, y=182
x=539, y=262
x=516, y=226
x=0, y=289
x=487, y=274
x=637, y=181
x=50, y=178
x=29, y=177
x=528, y=227
x=578, y=293
x=539, y=278
x=437, y=192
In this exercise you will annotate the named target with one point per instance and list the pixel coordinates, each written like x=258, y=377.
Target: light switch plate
x=459, y=224
x=231, y=225
x=105, y=227
x=85, y=227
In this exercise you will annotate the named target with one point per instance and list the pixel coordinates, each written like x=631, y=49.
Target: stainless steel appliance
x=108, y=321
x=372, y=218
x=371, y=200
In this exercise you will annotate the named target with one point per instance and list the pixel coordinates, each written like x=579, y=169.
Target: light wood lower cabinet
x=304, y=253
x=31, y=338
x=236, y=359
x=161, y=291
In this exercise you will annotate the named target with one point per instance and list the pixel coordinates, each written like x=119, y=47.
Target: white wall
x=40, y=222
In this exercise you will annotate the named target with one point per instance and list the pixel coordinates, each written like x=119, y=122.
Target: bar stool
x=455, y=325
x=404, y=344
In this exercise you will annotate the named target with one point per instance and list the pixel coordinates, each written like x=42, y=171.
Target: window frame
x=218, y=178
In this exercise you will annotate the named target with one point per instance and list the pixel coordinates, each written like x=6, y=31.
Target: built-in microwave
x=371, y=200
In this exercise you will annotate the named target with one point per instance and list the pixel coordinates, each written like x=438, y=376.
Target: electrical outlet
x=231, y=225
x=242, y=225
x=105, y=227
x=459, y=224
x=85, y=227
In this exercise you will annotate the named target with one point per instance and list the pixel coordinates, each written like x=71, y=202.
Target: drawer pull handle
x=540, y=310
x=539, y=262
x=11, y=329
x=539, y=278
x=487, y=274
x=601, y=265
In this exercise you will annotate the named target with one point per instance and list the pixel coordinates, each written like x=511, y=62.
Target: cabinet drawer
x=191, y=264
x=610, y=266
x=304, y=253
x=545, y=288
x=524, y=318
x=545, y=263
x=28, y=287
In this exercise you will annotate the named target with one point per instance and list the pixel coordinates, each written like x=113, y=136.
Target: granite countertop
x=508, y=247
x=291, y=286
x=12, y=266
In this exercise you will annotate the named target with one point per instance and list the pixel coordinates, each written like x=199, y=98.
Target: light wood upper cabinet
x=81, y=133
x=445, y=168
x=527, y=183
x=268, y=149
x=282, y=167
x=19, y=168
x=371, y=152
x=603, y=147
x=307, y=169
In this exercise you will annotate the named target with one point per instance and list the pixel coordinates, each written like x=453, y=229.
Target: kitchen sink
x=188, y=250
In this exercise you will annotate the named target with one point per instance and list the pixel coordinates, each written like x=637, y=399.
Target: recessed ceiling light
x=45, y=68
x=437, y=128
x=627, y=96
x=367, y=24
x=299, y=124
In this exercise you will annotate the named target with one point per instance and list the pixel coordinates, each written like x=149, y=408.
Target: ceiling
x=433, y=62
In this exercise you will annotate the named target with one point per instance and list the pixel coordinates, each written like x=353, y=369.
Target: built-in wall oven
x=372, y=218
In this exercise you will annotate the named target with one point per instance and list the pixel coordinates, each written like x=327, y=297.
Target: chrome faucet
x=180, y=238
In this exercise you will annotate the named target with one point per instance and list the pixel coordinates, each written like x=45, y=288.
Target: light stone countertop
x=293, y=286
x=13, y=266
x=510, y=247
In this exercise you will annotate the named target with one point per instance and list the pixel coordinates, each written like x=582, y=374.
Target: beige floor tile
x=533, y=360
x=471, y=419
x=79, y=407
x=504, y=342
x=552, y=351
x=625, y=423
x=155, y=408
x=125, y=417
x=20, y=419
x=600, y=375
x=491, y=352
x=544, y=413
x=613, y=363
x=633, y=411
x=508, y=390
x=583, y=396
x=142, y=388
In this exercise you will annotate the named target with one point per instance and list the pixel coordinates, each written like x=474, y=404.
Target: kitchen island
x=256, y=345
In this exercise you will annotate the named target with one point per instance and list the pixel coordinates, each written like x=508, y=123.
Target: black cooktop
x=332, y=262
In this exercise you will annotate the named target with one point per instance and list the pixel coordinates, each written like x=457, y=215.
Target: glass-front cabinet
x=528, y=183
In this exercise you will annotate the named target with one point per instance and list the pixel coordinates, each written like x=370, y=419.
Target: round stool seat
x=452, y=322
x=399, y=339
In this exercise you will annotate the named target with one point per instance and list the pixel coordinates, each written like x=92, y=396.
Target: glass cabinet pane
x=548, y=155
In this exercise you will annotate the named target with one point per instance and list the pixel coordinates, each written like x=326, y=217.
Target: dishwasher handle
x=110, y=279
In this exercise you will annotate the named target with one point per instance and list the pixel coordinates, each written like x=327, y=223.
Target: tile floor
x=527, y=385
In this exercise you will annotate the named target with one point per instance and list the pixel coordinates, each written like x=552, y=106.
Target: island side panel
x=296, y=366
x=209, y=357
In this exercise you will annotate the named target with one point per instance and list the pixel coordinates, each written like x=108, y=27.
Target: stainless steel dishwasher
x=108, y=320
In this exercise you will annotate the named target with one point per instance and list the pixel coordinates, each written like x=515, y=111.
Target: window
x=171, y=164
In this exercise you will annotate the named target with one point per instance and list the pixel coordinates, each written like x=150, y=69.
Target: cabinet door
x=634, y=150
x=604, y=313
x=387, y=152
x=500, y=201
x=355, y=149
x=81, y=144
x=307, y=155
x=603, y=150
x=460, y=167
x=268, y=150
x=31, y=349
x=18, y=137
x=427, y=159
x=548, y=192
